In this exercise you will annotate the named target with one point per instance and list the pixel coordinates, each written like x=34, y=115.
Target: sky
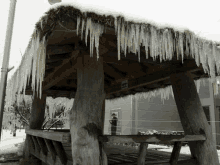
x=201, y=17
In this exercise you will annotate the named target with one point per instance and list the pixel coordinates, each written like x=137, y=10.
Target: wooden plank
x=142, y=153
x=57, y=136
x=60, y=151
x=42, y=145
x=51, y=148
x=30, y=141
x=150, y=138
x=175, y=153
x=37, y=147
x=59, y=49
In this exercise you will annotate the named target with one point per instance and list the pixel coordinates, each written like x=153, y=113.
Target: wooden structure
x=90, y=76
x=55, y=147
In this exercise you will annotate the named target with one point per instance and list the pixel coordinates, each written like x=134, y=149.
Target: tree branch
x=22, y=117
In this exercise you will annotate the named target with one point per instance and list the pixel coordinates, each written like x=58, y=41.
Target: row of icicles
x=129, y=36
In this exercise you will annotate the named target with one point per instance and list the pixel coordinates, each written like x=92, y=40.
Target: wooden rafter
x=150, y=79
x=59, y=49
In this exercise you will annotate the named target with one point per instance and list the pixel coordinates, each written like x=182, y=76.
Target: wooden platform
x=54, y=148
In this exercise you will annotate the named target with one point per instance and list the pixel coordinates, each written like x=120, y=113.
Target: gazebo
x=124, y=58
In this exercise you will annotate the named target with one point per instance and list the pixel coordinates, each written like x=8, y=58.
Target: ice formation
x=130, y=37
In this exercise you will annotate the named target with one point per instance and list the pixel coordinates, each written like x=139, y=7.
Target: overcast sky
x=201, y=17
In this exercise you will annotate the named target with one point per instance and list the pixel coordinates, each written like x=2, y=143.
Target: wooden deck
x=54, y=148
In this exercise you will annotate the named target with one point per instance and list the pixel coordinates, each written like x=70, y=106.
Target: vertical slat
x=42, y=145
x=30, y=141
x=51, y=148
x=142, y=153
x=60, y=151
x=37, y=147
x=175, y=153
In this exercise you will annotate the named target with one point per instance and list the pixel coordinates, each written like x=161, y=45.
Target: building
x=141, y=115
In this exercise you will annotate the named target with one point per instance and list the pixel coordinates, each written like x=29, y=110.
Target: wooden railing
x=55, y=147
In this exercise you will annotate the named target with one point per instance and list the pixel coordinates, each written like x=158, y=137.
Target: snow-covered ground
x=7, y=143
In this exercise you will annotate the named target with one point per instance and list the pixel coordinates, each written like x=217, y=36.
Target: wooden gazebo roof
x=138, y=57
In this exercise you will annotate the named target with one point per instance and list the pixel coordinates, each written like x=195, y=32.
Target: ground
x=9, y=147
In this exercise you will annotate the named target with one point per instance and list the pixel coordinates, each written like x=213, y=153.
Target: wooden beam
x=150, y=79
x=193, y=118
x=150, y=138
x=57, y=136
x=122, y=74
x=59, y=49
x=112, y=72
x=54, y=64
x=175, y=153
x=61, y=71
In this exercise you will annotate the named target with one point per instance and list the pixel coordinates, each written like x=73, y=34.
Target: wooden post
x=193, y=118
x=175, y=153
x=36, y=119
x=86, y=120
x=142, y=153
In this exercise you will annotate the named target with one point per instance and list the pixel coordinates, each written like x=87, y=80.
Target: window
x=207, y=113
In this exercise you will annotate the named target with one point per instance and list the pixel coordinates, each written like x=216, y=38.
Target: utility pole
x=4, y=69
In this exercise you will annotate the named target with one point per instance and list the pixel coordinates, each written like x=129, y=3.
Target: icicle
x=118, y=37
x=137, y=42
x=147, y=36
x=78, y=22
x=214, y=51
x=165, y=44
x=170, y=44
x=152, y=42
x=82, y=28
x=196, y=51
x=160, y=46
x=88, y=25
x=142, y=34
x=126, y=39
x=99, y=31
x=91, y=38
x=129, y=39
x=132, y=39
x=123, y=37
x=116, y=27
x=181, y=45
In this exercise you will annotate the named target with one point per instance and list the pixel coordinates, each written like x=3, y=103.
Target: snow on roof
x=128, y=17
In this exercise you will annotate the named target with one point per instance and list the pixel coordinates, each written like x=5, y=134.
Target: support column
x=86, y=119
x=193, y=118
x=36, y=119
